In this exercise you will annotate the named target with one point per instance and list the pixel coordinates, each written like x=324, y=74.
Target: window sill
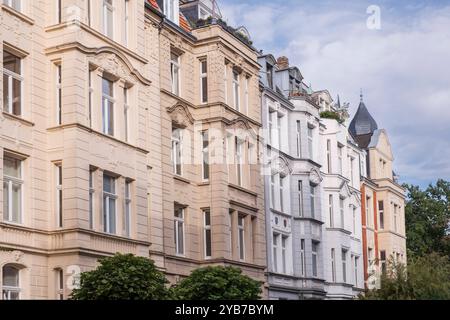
x=18, y=14
x=243, y=189
x=17, y=118
x=181, y=179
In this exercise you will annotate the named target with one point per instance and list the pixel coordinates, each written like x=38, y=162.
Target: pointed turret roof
x=363, y=123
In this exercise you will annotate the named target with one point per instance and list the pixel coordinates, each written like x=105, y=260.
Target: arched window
x=10, y=283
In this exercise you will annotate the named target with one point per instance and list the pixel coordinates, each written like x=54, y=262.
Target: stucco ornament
x=112, y=64
x=17, y=256
x=180, y=115
x=280, y=165
x=315, y=177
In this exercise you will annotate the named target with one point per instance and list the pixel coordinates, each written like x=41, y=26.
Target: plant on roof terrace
x=225, y=26
x=331, y=115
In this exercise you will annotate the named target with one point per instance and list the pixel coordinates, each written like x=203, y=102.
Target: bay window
x=12, y=189
x=109, y=204
x=108, y=107
x=12, y=84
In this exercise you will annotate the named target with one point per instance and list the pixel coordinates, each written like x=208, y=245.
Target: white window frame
x=303, y=257
x=59, y=273
x=177, y=151
x=272, y=191
x=329, y=167
x=106, y=100
x=206, y=229
x=175, y=73
x=203, y=75
x=206, y=169
x=91, y=198
x=299, y=139
x=236, y=91
x=180, y=248
x=128, y=208
x=284, y=241
x=10, y=75
x=331, y=209
x=333, y=265
x=58, y=77
x=14, y=4
x=344, y=253
x=246, y=96
x=355, y=270
x=171, y=10
x=300, y=199
x=282, y=192
x=91, y=93
x=239, y=161
x=275, y=251
x=59, y=195
x=108, y=13
x=10, y=181
x=107, y=228
x=241, y=237
x=8, y=290
x=126, y=111
x=312, y=195
x=342, y=211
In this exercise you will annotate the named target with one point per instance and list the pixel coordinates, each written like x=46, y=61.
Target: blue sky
x=403, y=68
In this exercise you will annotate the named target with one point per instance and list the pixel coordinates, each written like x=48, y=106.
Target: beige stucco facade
x=87, y=187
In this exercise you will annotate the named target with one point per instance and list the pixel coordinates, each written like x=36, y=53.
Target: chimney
x=283, y=62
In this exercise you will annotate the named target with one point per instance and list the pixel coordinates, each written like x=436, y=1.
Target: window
x=179, y=231
x=108, y=107
x=329, y=156
x=207, y=233
x=91, y=198
x=299, y=139
x=12, y=84
x=354, y=220
x=10, y=283
x=171, y=10
x=236, y=90
x=58, y=94
x=370, y=256
x=272, y=191
x=59, y=195
x=89, y=5
x=395, y=218
x=239, y=160
x=314, y=251
x=109, y=204
x=225, y=80
x=205, y=155
x=383, y=261
x=310, y=142
x=344, y=266
x=368, y=199
x=280, y=117
x=352, y=160
x=342, y=213
x=330, y=205
x=204, y=81
x=59, y=284
x=127, y=215
x=91, y=92
x=270, y=75
x=175, y=73
x=108, y=14
x=126, y=22
x=300, y=199
x=12, y=189
x=126, y=109
x=241, y=230
x=177, y=138
x=15, y=4
x=283, y=254
x=312, y=192
x=275, y=252
x=282, y=201
x=381, y=213
x=333, y=265
x=272, y=118
x=355, y=271
x=340, y=159
x=302, y=257
x=58, y=11
x=246, y=95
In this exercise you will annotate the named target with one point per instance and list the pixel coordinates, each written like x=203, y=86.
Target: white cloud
x=404, y=68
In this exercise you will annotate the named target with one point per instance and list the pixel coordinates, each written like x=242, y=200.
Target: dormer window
x=171, y=9
x=270, y=75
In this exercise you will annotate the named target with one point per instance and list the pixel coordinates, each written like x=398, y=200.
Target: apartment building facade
x=383, y=199
x=210, y=125
x=292, y=183
x=341, y=161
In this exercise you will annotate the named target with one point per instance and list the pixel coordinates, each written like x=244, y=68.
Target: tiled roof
x=184, y=24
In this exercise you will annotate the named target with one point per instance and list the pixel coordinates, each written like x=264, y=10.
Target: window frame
x=108, y=13
x=126, y=111
x=8, y=290
x=204, y=78
x=206, y=169
x=177, y=151
x=344, y=253
x=236, y=91
x=58, y=69
x=58, y=169
x=314, y=259
x=91, y=198
x=241, y=237
x=18, y=181
x=128, y=207
x=11, y=76
x=207, y=229
x=381, y=214
x=300, y=199
x=108, y=102
x=179, y=227
x=333, y=265
x=107, y=197
x=10, y=3
x=175, y=73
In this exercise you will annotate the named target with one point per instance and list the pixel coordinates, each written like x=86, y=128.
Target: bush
x=217, y=283
x=331, y=115
x=122, y=277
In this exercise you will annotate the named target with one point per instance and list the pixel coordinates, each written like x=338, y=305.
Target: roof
x=363, y=123
x=184, y=24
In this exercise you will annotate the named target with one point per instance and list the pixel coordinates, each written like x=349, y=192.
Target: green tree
x=425, y=278
x=122, y=277
x=217, y=283
x=427, y=215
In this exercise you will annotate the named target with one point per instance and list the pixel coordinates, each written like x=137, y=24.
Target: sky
x=402, y=64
